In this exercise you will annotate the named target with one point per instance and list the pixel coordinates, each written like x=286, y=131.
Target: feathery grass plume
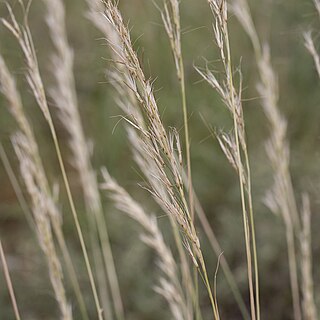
x=9, y=90
x=309, y=44
x=234, y=144
x=169, y=284
x=126, y=100
x=23, y=36
x=25, y=145
x=158, y=144
x=281, y=197
x=41, y=206
x=308, y=304
x=64, y=96
x=9, y=283
x=128, y=103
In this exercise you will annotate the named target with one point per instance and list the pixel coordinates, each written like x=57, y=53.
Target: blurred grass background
x=279, y=22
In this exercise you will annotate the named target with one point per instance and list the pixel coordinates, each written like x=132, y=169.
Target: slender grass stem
x=9, y=283
x=76, y=219
x=254, y=245
x=208, y=287
x=242, y=182
x=186, y=133
x=189, y=175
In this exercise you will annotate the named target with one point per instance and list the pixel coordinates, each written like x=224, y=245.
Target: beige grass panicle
x=63, y=93
x=169, y=284
x=22, y=34
x=41, y=206
x=9, y=90
x=157, y=143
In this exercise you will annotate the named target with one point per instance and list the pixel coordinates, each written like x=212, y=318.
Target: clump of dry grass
x=281, y=197
x=43, y=207
x=27, y=149
x=160, y=156
x=158, y=153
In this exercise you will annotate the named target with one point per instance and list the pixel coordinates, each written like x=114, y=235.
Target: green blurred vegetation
x=279, y=22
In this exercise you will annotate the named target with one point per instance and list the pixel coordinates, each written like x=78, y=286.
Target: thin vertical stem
x=241, y=180
x=254, y=245
x=189, y=175
x=9, y=283
x=186, y=133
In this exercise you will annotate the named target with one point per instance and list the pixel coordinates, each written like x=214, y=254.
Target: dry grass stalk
x=281, y=197
x=26, y=146
x=281, y=194
x=234, y=144
x=23, y=36
x=171, y=20
x=9, y=283
x=308, y=304
x=169, y=285
x=157, y=143
x=42, y=206
x=64, y=97
x=9, y=90
x=126, y=100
